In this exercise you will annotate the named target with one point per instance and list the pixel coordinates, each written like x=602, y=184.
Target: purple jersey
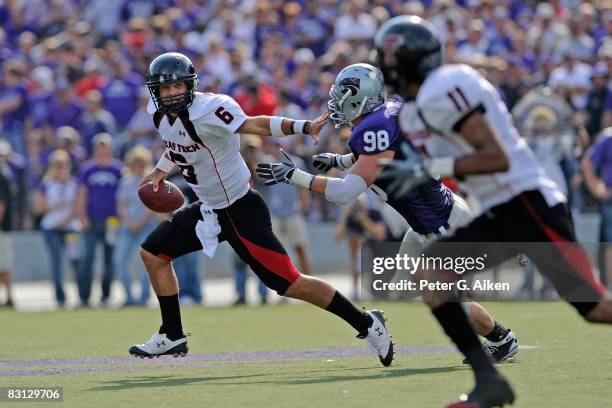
x=102, y=183
x=427, y=207
x=121, y=97
x=13, y=120
x=600, y=154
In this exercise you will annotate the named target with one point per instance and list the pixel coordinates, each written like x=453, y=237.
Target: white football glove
x=326, y=161
x=276, y=173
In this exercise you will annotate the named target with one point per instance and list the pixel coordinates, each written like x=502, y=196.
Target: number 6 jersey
x=449, y=95
x=202, y=141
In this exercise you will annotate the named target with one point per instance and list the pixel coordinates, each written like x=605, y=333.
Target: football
x=167, y=198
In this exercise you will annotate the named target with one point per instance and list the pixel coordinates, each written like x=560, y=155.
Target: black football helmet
x=407, y=49
x=172, y=67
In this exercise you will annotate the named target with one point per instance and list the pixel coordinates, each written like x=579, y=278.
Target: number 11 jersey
x=202, y=141
x=449, y=95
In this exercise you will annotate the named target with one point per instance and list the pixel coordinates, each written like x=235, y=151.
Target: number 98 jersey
x=427, y=207
x=202, y=141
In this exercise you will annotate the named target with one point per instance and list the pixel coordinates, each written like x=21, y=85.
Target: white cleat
x=159, y=345
x=379, y=338
x=503, y=350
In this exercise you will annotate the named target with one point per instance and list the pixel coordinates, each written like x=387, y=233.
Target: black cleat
x=492, y=392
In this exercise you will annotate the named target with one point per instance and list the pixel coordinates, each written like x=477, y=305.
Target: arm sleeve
x=344, y=191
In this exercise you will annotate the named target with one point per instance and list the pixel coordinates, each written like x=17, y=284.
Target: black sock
x=343, y=308
x=453, y=319
x=498, y=333
x=171, y=317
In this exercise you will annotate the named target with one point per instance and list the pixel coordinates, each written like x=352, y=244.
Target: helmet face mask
x=358, y=89
x=171, y=68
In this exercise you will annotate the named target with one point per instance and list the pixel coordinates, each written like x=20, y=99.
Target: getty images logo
x=411, y=264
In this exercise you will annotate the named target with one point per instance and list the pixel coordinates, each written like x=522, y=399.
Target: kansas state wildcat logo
x=351, y=84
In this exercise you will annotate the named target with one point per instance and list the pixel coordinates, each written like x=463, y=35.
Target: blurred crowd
x=73, y=96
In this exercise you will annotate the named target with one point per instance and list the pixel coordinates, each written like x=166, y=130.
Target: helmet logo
x=350, y=84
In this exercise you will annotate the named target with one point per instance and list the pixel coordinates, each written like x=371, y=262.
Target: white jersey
x=211, y=164
x=446, y=98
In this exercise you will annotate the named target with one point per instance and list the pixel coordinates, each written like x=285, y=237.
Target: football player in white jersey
x=473, y=139
x=201, y=135
x=431, y=209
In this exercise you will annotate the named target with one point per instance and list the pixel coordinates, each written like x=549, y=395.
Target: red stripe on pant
x=273, y=261
x=276, y=262
x=572, y=253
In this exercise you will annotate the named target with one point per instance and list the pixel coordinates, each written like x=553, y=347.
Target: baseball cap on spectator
x=545, y=11
x=68, y=133
x=414, y=8
x=600, y=70
x=586, y=9
x=91, y=65
x=501, y=12
x=43, y=76
x=304, y=56
x=5, y=148
x=476, y=25
x=606, y=50
x=82, y=28
x=102, y=138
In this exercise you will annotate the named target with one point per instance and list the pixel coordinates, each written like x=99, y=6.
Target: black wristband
x=306, y=127
x=291, y=130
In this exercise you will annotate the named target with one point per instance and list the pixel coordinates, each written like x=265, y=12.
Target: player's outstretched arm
x=339, y=190
x=489, y=157
x=278, y=126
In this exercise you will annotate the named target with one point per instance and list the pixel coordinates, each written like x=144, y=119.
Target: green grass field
x=84, y=352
